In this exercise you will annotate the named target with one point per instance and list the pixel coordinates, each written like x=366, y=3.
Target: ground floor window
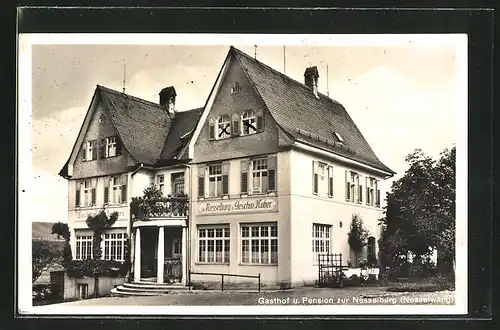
x=83, y=247
x=213, y=244
x=259, y=244
x=114, y=246
x=321, y=240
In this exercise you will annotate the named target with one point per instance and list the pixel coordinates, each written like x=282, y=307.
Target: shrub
x=91, y=267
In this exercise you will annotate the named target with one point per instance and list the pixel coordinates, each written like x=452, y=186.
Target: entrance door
x=173, y=255
x=149, y=241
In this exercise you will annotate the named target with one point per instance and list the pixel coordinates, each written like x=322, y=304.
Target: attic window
x=103, y=119
x=337, y=135
x=235, y=88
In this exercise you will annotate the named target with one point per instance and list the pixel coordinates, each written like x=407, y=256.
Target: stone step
x=117, y=292
x=157, y=287
x=149, y=284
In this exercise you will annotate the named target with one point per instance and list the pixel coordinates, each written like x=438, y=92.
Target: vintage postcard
x=221, y=174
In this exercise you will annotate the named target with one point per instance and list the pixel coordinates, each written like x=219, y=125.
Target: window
x=223, y=127
x=160, y=181
x=119, y=189
x=114, y=246
x=90, y=152
x=215, y=180
x=372, y=192
x=213, y=245
x=262, y=175
x=89, y=193
x=352, y=181
x=371, y=256
x=251, y=122
x=260, y=181
x=83, y=290
x=319, y=170
x=83, y=247
x=235, y=88
x=259, y=244
x=339, y=137
x=178, y=183
x=320, y=239
x=176, y=247
x=103, y=119
x=110, y=147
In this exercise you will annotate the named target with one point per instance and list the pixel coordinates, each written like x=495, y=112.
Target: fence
x=222, y=278
x=330, y=269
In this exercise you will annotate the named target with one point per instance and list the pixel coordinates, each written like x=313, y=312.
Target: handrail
x=222, y=278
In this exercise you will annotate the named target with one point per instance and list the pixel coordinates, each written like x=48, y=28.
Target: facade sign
x=84, y=214
x=234, y=206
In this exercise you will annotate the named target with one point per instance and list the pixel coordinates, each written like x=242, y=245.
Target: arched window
x=371, y=256
x=223, y=127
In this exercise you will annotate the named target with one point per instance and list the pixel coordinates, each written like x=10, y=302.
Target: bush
x=91, y=268
x=438, y=283
x=41, y=291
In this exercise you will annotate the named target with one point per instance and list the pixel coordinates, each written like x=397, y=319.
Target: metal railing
x=168, y=207
x=222, y=278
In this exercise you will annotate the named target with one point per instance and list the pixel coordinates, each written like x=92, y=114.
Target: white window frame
x=82, y=244
x=110, y=146
x=116, y=190
x=255, y=233
x=88, y=151
x=114, y=246
x=261, y=173
x=370, y=200
x=352, y=179
x=217, y=180
x=160, y=181
x=223, y=121
x=251, y=117
x=320, y=170
x=220, y=237
x=87, y=193
x=321, y=240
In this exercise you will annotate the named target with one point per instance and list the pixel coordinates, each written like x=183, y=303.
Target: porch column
x=161, y=255
x=137, y=255
x=184, y=255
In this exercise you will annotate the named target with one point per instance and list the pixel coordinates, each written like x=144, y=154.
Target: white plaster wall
x=105, y=285
x=306, y=209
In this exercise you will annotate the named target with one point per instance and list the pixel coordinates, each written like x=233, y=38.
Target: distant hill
x=43, y=230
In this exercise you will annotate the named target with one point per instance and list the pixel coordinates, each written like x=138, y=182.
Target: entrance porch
x=160, y=252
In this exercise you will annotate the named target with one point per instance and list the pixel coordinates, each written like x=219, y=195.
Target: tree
x=44, y=254
x=62, y=231
x=98, y=223
x=357, y=235
x=420, y=212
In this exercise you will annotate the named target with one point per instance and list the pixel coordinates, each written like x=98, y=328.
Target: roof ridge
x=282, y=74
x=130, y=96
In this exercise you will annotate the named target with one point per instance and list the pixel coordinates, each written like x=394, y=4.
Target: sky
x=401, y=96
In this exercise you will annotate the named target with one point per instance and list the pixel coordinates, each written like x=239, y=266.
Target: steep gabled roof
x=143, y=126
x=307, y=118
x=149, y=134
x=175, y=146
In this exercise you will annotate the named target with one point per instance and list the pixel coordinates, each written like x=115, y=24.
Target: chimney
x=167, y=99
x=311, y=76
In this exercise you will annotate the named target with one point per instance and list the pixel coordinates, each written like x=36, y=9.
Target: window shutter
x=77, y=195
x=124, y=193
x=315, y=177
x=347, y=186
x=102, y=148
x=330, y=181
x=93, y=196
x=225, y=178
x=271, y=172
x=211, y=129
x=119, y=145
x=201, y=181
x=378, y=197
x=94, y=149
x=236, y=125
x=244, y=176
x=260, y=121
x=360, y=191
x=83, y=151
x=106, y=195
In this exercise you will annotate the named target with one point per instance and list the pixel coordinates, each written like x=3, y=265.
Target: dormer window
x=223, y=127
x=251, y=122
x=339, y=137
x=111, y=146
